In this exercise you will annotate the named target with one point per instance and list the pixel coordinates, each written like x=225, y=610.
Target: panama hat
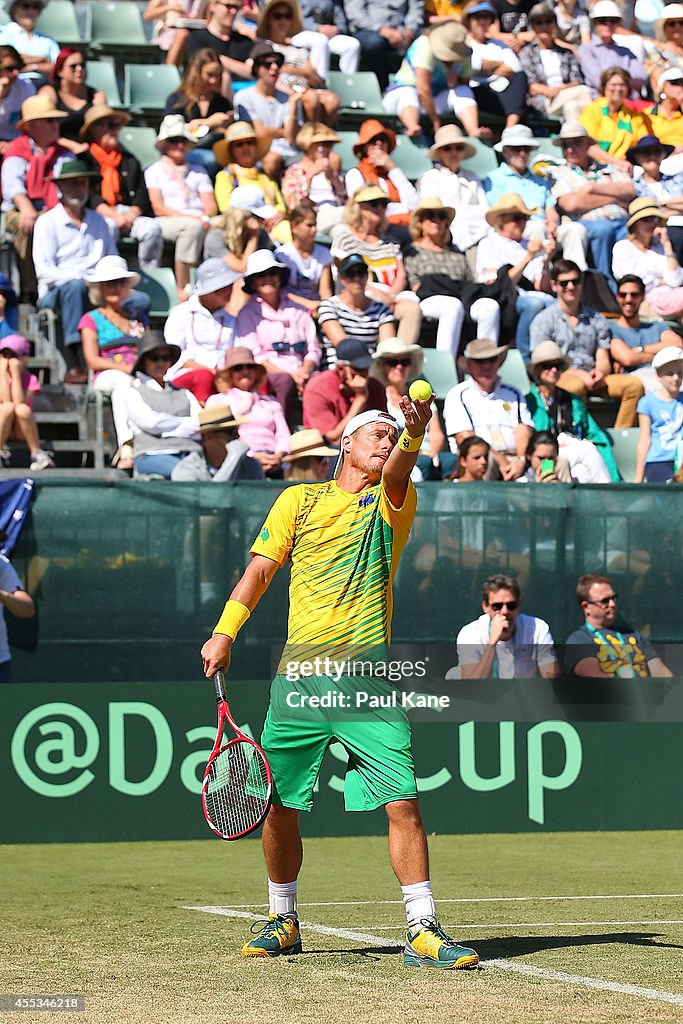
x=260, y=261
x=37, y=108
x=314, y=132
x=240, y=355
x=518, y=135
x=73, y=169
x=112, y=268
x=641, y=208
x=447, y=42
x=483, y=348
x=150, y=342
x=547, y=352
x=605, y=9
x=369, y=193
x=430, y=203
x=295, y=24
x=369, y=130
x=448, y=135
x=672, y=12
x=395, y=348
x=238, y=131
x=98, y=113
x=305, y=443
x=509, y=202
x=645, y=143
x=174, y=126
x=218, y=417
x=571, y=130
x=264, y=51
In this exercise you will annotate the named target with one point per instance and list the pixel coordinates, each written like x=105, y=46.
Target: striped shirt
x=364, y=326
x=382, y=257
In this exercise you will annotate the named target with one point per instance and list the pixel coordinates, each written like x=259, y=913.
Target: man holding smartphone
x=503, y=643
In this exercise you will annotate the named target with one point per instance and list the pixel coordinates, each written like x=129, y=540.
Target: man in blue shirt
x=634, y=343
x=516, y=145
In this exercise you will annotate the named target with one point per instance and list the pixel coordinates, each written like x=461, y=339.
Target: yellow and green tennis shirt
x=344, y=551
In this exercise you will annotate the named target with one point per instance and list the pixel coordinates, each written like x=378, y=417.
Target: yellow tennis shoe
x=276, y=936
x=428, y=945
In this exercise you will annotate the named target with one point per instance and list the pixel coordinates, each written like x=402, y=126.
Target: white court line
x=505, y=965
x=523, y=924
x=478, y=899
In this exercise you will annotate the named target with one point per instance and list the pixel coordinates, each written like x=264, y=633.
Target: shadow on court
x=521, y=945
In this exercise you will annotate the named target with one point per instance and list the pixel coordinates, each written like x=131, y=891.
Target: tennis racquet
x=237, y=786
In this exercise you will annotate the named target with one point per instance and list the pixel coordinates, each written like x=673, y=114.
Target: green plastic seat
x=159, y=283
x=625, y=450
x=439, y=371
x=117, y=25
x=412, y=159
x=484, y=160
x=513, y=371
x=58, y=19
x=345, y=149
x=359, y=94
x=148, y=86
x=140, y=142
x=101, y=74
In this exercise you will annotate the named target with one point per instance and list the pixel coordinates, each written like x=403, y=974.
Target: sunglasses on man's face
x=607, y=21
x=511, y=606
x=605, y=602
x=242, y=367
x=268, y=63
x=10, y=69
x=549, y=366
x=568, y=282
x=629, y=296
x=674, y=24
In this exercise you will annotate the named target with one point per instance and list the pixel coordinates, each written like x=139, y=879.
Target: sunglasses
x=606, y=21
x=10, y=68
x=511, y=606
x=674, y=23
x=398, y=362
x=454, y=147
x=568, y=282
x=272, y=62
x=118, y=283
x=298, y=347
x=543, y=21
x=435, y=215
x=631, y=296
x=177, y=141
x=550, y=366
x=74, y=67
x=357, y=273
x=516, y=218
x=30, y=7
x=605, y=602
x=281, y=15
x=159, y=357
x=374, y=204
x=242, y=367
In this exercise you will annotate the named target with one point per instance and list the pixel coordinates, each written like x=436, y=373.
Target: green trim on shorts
x=377, y=741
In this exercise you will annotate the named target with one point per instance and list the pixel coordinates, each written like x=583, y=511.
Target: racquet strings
x=237, y=789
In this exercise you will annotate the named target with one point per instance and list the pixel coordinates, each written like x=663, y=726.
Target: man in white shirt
x=503, y=643
x=484, y=406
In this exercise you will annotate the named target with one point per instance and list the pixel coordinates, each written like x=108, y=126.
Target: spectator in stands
x=241, y=230
x=461, y=189
x=27, y=185
x=599, y=650
x=647, y=251
x=309, y=264
x=602, y=53
x=634, y=343
x=383, y=29
x=352, y=313
x=613, y=126
x=666, y=189
x=543, y=456
x=273, y=113
x=516, y=146
x=182, y=198
x=109, y=338
x=484, y=406
x=666, y=117
x=375, y=167
x=264, y=428
x=528, y=263
x=309, y=458
x=667, y=50
x=15, y=600
x=223, y=456
x=328, y=18
x=333, y=397
x=395, y=365
x=239, y=153
x=585, y=452
x=365, y=233
x=584, y=336
x=18, y=388
x=592, y=198
x=121, y=196
x=203, y=106
x=280, y=332
x=573, y=24
x=9, y=307
x=306, y=59
x=473, y=461
x=428, y=82
x=554, y=75
x=442, y=278
x=163, y=418
x=202, y=329
x=660, y=418
x=501, y=86
x=513, y=23
x=68, y=92
x=315, y=178
x=13, y=91
x=38, y=51
x=504, y=643
x=166, y=14
x=232, y=47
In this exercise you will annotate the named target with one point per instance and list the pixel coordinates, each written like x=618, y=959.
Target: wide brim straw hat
x=296, y=24
x=174, y=126
x=448, y=135
x=430, y=203
x=237, y=132
x=369, y=130
x=447, y=42
x=395, y=348
x=36, y=108
x=481, y=348
x=547, y=352
x=218, y=417
x=305, y=443
x=99, y=113
x=641, y=208
x=314, y=132
x=509, y=202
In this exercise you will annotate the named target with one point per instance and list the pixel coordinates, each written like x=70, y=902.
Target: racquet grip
x=219, y=685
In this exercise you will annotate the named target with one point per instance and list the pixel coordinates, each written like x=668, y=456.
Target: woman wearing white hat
x=456, y=186
x=666, y=50
x=110, y=342
x=242, y=229
x=182, y=198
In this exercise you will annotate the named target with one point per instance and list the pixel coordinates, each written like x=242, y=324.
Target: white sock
x=419, y=902
x=282, y=897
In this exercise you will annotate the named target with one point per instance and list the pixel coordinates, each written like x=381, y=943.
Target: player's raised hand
x=417, y=414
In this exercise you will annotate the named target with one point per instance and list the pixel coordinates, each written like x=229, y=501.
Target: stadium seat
x=101, y=74
x=159, y=283
x=484, y=160
x=59, y=20
x=412, y=160
x=359, y=95
x=345, y=149
x=439, y=370
x=117, y=25
x=624, y=447
x=140, y=142
x=146, y=87
x=513, y=371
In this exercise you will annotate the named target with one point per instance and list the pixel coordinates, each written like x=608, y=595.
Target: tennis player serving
x=343, y=540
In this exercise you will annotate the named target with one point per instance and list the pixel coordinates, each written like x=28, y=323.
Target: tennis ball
x=420, y=391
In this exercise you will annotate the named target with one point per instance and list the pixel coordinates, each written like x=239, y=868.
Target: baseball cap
x=18, y=344
x=362, y=420
x=349, y=262
x=664, y=357
x=354, y=352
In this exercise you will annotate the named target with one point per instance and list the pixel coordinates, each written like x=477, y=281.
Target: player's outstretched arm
x=248, y=592
x=401, y=462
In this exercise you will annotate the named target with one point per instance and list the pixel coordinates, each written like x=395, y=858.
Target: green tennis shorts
x=296, y=734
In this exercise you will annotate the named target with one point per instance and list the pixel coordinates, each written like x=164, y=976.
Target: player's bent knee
x=404, y=812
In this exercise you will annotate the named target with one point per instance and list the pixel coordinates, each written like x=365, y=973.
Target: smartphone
x=547, y=466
